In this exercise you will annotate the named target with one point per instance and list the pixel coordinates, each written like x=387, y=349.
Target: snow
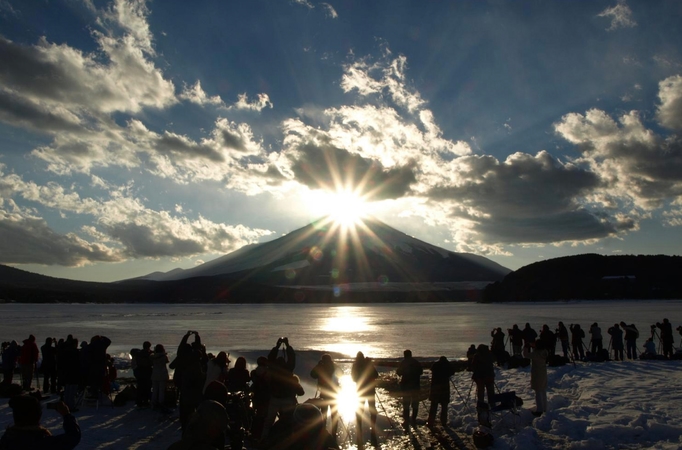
x=631, y=404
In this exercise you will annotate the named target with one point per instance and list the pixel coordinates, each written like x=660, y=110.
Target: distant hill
x=591, y=277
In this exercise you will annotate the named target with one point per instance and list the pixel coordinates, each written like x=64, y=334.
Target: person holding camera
x=631, y=335
x=189, y=375
x=666, y=337
x=27, y=433
x=289, y=355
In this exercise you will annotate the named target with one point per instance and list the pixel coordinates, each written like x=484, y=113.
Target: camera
x=653, y=327
x=282, y=340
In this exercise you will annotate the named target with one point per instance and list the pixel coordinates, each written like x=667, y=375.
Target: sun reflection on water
x=347, y=320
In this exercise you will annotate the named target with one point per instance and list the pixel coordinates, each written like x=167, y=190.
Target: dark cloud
x=142, y=241
x=20, y=112
x=232, y=140
x=186, y=149
x=31, y=241
x=531, y=199
x=326, y=167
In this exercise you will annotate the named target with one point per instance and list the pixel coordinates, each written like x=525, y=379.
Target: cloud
x=196, y=94
x=261, y=102
x=329, y=11
x=670, y=110
x=323, y=166
x=620, y=15
x=526, y=198
x=123, y=228
x=25, y=239
x=636, y=164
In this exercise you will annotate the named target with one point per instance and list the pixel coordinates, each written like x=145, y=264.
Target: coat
x=538, y=369
x=159, y=369
x=39, y=438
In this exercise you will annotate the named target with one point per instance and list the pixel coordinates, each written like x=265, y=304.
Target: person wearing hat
x=27, y=433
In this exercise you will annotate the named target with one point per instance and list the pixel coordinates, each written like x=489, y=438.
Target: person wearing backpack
x=631, y=335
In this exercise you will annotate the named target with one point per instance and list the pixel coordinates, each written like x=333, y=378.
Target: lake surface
x=379, y=330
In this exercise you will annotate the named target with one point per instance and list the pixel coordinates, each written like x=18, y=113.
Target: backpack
x=636, y=331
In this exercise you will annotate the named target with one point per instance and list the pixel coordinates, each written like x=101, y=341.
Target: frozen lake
x=379, y=330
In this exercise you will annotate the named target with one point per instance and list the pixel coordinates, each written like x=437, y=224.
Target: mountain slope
x=325, y=253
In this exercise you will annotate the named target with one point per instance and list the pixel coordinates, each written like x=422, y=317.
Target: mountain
x=325, y=253
x=592, y=277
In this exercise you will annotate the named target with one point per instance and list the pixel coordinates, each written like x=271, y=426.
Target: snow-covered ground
x=632, y=404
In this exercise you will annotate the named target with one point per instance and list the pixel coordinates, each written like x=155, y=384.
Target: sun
x=345, y=207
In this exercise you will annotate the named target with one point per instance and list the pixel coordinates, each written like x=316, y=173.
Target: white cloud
x=670, y=110
x=196, y=94
x=620, y=16
x=262, y=101
x=329, y=11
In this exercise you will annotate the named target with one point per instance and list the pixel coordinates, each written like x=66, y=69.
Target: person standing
x=49, y=366
x=441, y=371
x=596, y=339
x=516, y=338
x=666, y=338
x=325, y=372
x=9, y=362
x=562, y=335
x=410, y=370
x=548, y=339
x=497, y=345
x=28, y=357
x=364, y=374
x=159, y=377
x=529, y=335
x=143, y=360
x=483, y=374
x=616, y=342
x=631, y=335
x=538, y=375
x=577, y=335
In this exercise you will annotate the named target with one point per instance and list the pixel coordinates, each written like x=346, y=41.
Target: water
x=379, y=330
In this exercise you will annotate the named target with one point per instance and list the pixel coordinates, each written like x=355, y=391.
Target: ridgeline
x=591, y=277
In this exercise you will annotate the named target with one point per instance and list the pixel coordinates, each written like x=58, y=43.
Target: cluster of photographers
x=218, y=404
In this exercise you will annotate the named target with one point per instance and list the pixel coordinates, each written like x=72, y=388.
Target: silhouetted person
x=307, y=431
x=28, y=357
x=631, y=335
x=497, y=344
x=289, y=354
x=529, y=335
x=159, y=377
x=562, y=335
x=28, y=434
x=596, y=340
x=471, y=351
x=364, y=374
x=206, y=428
x=548, y=339
x=666, y=337
x=538, y=375
x=516, y=338
x=189, y=375
x=238, y=377
x=70, y=368
x=409, y=370
x=483, y=374
x=9, y=362
x=97, y=363
x=616, y=342
x=143, y=374
x=577, y=335
x=49, y=365
x=325, y=372
x=216, y=369
x=284, y=388
x=441, y=371
x=649, y=349
x=261, y=396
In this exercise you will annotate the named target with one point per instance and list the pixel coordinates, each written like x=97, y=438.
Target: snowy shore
x=631, y=404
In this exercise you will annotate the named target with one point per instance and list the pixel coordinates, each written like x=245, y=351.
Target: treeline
x=592, y=277
x=25, y=287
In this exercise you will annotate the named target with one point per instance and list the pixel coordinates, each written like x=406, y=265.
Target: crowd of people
x=210, y=393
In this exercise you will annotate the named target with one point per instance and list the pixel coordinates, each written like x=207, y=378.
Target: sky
x=140, y=136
